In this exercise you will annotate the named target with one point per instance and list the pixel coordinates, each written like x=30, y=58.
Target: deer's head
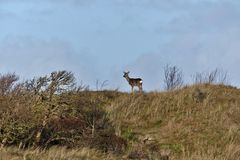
x=125, y=74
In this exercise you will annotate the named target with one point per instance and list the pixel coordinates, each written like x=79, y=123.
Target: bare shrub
x=101, y=85
x=217, y=76
x=173, y=77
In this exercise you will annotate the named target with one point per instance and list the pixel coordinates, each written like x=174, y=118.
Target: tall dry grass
x=196, y=122
x=55, y=153
x=231, y=152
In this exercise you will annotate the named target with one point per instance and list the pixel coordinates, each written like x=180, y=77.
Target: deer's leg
x=132, y=89
x=140, y=88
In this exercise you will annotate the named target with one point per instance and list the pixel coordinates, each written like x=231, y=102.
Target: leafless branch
x=173, y=77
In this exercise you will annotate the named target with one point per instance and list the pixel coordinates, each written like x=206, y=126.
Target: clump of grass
x=128, y=134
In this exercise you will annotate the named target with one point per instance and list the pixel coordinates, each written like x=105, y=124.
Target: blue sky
x=99, y=39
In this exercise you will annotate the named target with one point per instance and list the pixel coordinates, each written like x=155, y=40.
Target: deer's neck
x=127, y=78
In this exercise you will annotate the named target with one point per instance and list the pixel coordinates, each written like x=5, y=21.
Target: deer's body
x=133, y=81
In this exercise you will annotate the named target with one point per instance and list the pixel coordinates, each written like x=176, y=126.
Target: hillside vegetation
x=196, y=122
x=50, y=118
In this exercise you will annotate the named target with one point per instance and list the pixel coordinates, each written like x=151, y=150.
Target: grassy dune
x=197, y=122
x=200, y=122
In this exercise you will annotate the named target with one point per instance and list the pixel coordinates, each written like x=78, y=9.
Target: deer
x=133, y=81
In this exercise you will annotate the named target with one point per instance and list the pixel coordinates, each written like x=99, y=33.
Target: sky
x=99, y=39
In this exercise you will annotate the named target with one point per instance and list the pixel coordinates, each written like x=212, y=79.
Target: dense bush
x=52, y=110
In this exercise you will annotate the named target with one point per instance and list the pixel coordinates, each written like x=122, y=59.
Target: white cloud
x=195, y=35
x=204, y=37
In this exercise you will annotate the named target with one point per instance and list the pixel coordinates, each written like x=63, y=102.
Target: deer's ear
x=128, y=72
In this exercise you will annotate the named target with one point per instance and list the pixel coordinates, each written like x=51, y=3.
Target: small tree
x=46, y=89
x=173, y=77
x=7, y=82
